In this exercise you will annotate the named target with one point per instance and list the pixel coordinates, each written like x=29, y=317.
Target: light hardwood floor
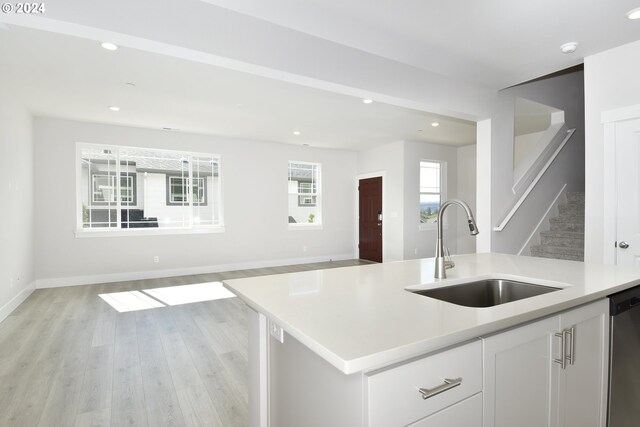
x=67, y=358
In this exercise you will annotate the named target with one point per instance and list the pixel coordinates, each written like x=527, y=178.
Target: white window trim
x=443, y=194
x=118, y=231
x=318, y=224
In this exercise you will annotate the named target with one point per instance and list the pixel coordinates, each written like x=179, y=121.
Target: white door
x=628, y=193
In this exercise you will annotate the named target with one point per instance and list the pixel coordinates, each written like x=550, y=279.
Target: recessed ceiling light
x=109, y=46
x=367, y=101
x=569, y=47
x=634, y=14
x=296, y=132
x=435, y=124
x=114, y=108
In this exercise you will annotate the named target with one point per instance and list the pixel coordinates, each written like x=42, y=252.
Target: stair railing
x=533, y=183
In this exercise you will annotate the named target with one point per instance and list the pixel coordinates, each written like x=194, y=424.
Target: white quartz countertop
x=362, y=318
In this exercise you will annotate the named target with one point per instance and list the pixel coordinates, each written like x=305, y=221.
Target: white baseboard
x=156, y=274
x=8, y=308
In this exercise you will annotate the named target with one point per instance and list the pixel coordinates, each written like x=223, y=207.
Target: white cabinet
x=524, y=384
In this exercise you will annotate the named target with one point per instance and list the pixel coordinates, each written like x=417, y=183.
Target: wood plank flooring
x=67, y=358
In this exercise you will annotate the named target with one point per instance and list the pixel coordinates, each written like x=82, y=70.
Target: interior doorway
x=370, y=219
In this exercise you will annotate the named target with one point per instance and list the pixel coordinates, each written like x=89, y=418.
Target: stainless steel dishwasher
x=624, y=359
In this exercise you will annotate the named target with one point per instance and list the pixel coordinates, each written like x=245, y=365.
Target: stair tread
x=567, y=219
x=559, y=233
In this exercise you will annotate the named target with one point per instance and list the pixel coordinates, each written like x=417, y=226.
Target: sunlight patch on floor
x=186, y=294
x=130, y=301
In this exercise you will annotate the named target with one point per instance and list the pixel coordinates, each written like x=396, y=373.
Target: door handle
x=571, y=332
x=623, y=245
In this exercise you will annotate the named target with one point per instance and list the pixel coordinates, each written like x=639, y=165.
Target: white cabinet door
x=583, y=384
x=520, y=386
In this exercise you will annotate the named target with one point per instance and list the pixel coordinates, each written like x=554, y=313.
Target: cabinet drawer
x=393, y=396
x=467, y=413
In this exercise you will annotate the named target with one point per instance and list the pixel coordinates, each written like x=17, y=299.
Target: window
x=306, y=189
x=304, y=194
x=430, y=192
x=158, y=189
x=178, y=194
x=104, y=189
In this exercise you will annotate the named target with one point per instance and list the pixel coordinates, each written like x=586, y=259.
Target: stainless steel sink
x=486, y=293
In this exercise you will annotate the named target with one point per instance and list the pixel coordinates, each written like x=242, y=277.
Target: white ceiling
x=494, y=43
x=62, y=76
x=498, y=43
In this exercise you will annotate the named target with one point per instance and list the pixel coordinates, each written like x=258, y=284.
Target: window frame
x=192, y=228
x=134, y=190
x=442, y=193
x=317, y=224
x=169, y=188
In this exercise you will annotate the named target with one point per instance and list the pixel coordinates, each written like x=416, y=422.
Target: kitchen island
x=345, y=329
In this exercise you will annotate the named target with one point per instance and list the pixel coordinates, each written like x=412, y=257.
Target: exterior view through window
x=126, y=188
x=304, y=194
x=430, y=191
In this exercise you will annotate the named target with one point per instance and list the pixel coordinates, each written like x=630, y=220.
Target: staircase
x=565, y=239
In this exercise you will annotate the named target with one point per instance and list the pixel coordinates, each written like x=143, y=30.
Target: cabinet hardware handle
x=572, y=341
x=448, y=385
x=563, y=349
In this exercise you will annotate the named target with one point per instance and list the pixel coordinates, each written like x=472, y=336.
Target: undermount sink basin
x=486, y=293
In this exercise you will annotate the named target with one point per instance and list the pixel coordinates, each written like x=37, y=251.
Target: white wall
x=400, y=163
x=17, y=212
x=467, y=159
x=254, y=188
x=566, y=93
x=611, y=81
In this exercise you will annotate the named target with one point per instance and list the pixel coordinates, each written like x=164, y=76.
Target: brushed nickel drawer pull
x=448, y=385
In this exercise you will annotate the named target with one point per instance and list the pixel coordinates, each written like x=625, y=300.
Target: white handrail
x=520, y=201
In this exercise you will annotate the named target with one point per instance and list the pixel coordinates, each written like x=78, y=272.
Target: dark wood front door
x=370, y=228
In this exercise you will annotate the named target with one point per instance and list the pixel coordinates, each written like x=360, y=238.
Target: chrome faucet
x=441, y=264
